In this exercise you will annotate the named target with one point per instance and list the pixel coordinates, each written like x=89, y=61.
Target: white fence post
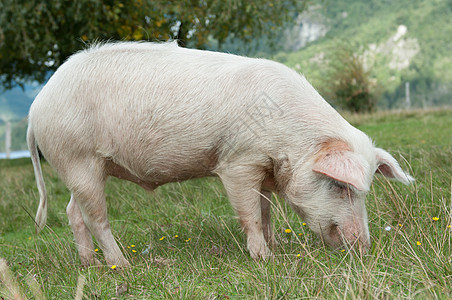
x=8, y=140
x=407, y=95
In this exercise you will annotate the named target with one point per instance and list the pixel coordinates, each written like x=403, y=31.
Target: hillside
x=399, y=41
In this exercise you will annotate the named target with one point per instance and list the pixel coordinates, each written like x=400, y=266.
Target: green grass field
x=184, y=241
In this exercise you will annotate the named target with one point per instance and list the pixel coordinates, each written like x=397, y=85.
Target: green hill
x=399, y=41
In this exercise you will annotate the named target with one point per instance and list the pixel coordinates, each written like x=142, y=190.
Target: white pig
x=157, y=113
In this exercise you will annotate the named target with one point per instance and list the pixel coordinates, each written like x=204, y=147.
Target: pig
x=154, y=113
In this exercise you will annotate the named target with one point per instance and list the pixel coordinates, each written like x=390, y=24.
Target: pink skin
x=156, y=113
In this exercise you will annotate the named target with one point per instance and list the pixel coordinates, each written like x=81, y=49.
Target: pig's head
x=328, y=189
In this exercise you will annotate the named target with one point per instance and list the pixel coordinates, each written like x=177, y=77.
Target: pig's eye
x=342, y=189
x=337, y=185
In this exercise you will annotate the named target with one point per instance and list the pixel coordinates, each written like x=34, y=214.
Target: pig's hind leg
x=87, y=182
x=243, y=185
x=82, y=236
x=266, y=203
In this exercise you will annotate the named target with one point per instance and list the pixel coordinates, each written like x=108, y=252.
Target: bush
x=350, y=84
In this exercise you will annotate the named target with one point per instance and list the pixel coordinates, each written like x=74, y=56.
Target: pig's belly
x=155, y=168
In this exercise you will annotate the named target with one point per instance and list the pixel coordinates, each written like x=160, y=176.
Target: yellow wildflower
x=133, y=246
x=342, y=250
x=298, y=255
x=418, y=243
x=113, y=267
x=288, y=230
x=189, y=239
x=400, y=225
x=300, y=234
x=176, y=236
x=96, y=250
x=304, y=224
x=162, y=238
x=435, y=218
x=133, y=250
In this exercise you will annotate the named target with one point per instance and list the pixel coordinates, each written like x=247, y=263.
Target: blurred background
x=362, y=55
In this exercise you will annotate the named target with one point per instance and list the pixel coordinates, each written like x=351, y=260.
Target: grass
x=184, y=241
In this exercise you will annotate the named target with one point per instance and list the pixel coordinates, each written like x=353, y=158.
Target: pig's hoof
x=273, y=243
x=259, y=252
x=122, y=265
x=116, y=261
x=97, y=262
x=90, y=261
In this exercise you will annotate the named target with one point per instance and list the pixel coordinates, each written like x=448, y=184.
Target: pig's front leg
x=243, y=184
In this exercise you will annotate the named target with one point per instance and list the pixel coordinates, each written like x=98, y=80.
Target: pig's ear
x=344, y=166
x=388, y=167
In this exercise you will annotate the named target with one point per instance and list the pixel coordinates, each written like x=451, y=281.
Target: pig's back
x=145, y=104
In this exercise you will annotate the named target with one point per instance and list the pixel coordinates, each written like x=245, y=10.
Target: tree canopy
x=37, y=36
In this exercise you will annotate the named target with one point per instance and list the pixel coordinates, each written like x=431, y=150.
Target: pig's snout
x=351, y=235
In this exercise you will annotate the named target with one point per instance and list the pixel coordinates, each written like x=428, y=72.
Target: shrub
x=350, y=85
